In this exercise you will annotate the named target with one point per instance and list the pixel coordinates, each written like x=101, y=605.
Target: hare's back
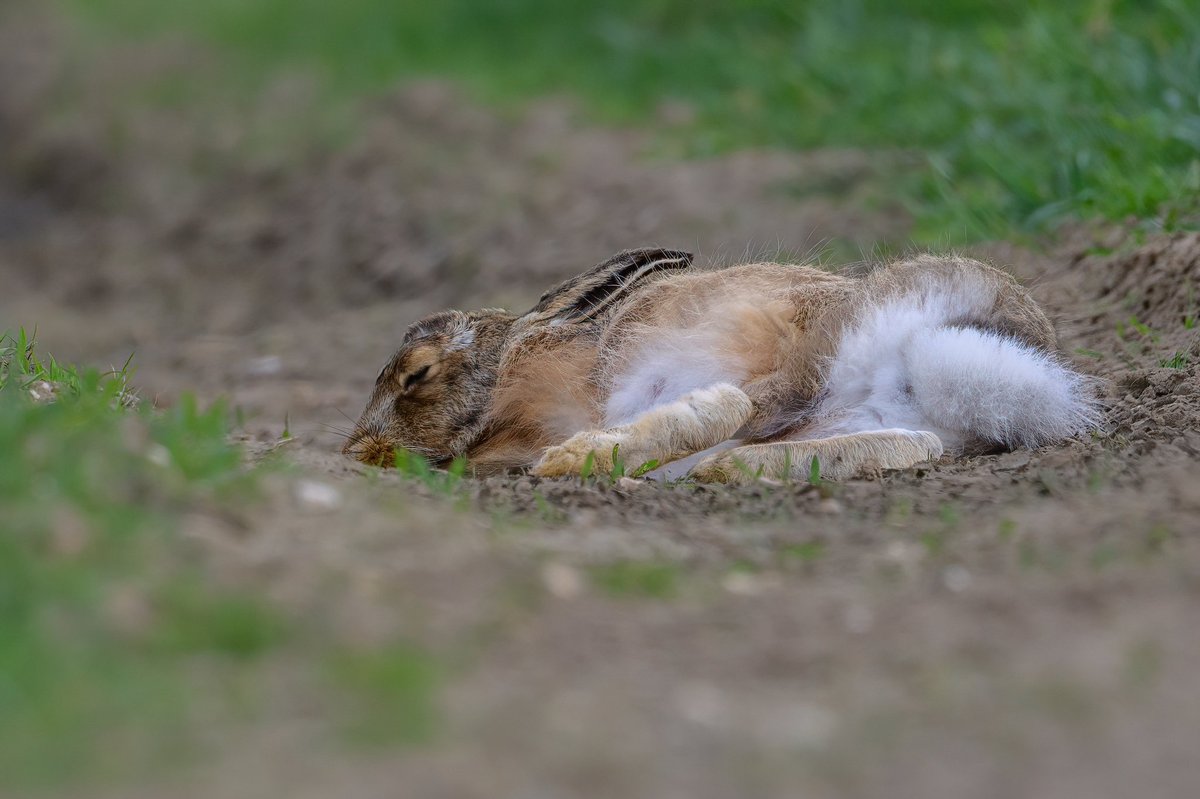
x=699, y=297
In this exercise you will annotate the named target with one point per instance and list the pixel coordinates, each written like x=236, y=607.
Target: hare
x=733, y=373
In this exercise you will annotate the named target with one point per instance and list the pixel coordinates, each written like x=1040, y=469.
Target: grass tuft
x=446, y=482
x=638, y=579
x=45, y=379
x=1179, y=360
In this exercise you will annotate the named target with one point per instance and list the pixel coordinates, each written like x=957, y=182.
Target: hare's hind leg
x=700, y=419
x=838, y=457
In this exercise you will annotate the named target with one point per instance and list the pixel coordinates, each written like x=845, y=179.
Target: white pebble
x=561, y=580
x=42, y=391
x=321, y=496
x=902, y=553
x=265, y=366
x=830, y=506
x=956, y=578
x=158, y=455
x=742, y=583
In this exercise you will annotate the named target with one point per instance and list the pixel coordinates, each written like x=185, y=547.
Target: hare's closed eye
x=416, y=377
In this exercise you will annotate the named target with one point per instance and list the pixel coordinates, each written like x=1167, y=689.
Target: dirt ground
x=1001, y=626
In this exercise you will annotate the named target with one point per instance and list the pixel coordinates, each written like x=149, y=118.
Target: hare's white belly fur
x=681, y=361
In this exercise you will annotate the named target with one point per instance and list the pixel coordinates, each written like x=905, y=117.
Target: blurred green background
x=1023, y=113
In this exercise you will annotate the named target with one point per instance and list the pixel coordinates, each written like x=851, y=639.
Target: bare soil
x=1001, y=626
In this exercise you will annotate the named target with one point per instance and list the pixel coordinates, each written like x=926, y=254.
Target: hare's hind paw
x=838, y=457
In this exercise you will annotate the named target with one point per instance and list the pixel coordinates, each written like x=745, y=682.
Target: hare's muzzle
x=371, y=448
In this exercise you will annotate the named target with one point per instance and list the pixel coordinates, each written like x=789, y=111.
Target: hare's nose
x=381, y=456
x=372, y=449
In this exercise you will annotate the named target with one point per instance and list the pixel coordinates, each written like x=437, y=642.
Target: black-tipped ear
x=589, y=294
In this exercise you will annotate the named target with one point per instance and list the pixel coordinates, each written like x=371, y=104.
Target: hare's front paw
x=569, y=457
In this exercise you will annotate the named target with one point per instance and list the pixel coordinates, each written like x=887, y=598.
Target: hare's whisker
x=337, y=431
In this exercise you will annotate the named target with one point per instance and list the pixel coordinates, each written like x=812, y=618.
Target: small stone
x=561, y=580
x=902, y=552
x=956, y=578
x=701, y=703
x=158, y=455
x=742, y=583
x=628, y=484
x=830, y=506
x=266, y=366
x=319, y=496
x=43, y=391
x=903, y=556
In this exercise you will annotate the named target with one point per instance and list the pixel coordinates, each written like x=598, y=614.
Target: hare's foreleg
x=698, y=420
x=838, y=457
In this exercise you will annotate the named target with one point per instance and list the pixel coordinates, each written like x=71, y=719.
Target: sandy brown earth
x=1002, y=626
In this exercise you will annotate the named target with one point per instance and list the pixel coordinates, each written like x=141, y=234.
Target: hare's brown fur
x=501, y=390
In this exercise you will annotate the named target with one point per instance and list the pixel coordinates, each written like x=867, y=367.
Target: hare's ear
x=589, y=294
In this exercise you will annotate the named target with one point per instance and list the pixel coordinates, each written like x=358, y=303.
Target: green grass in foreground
x=1025, y=112
x=112, y=637
x=99, y=613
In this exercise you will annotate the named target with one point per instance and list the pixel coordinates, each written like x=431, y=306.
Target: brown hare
x=732, y=373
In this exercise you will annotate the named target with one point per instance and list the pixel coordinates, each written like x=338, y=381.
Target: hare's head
x=433, y=396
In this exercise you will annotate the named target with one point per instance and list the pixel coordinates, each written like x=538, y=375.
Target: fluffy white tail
x=979, y=385
x=918, y=361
